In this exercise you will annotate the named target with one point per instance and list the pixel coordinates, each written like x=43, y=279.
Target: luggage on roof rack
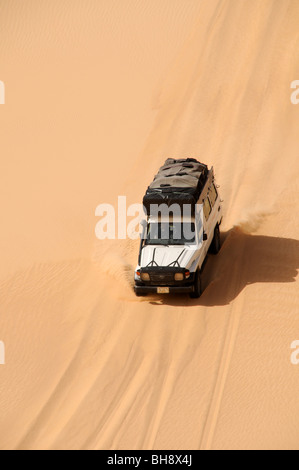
x=179, y=181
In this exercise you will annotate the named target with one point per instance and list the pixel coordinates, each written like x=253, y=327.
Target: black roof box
x=178, y=181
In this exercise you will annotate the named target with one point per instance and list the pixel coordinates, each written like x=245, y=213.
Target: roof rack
x=179, y=181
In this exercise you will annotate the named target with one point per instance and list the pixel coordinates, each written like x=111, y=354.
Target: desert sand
x=97, y=95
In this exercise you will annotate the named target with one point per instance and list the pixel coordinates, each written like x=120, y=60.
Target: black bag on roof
x=177, y=182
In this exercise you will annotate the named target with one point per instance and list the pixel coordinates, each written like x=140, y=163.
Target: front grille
x=162, y=278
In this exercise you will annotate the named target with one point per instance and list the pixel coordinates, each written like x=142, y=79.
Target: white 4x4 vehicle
x=184, y=214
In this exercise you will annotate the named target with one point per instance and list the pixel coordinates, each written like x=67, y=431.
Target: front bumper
x=162, y=281
x=172, y=289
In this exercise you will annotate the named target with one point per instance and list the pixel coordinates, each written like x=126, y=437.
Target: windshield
x=172, y=233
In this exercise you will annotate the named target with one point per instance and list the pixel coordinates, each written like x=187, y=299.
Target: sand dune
x=97, y=95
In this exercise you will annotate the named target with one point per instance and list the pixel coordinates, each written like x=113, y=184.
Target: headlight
x=145, y=276
x=179, y=276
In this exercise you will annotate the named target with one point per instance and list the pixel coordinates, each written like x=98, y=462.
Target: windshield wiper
x=176, y=262
x=153, y=262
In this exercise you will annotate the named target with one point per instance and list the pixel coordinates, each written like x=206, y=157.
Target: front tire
x=197, y=287
x=216, y=242
x=139, y=294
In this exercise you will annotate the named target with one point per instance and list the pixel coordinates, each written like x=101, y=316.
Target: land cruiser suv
x=183, y=216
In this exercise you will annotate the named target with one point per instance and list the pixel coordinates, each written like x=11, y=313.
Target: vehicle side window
x=207, y=209
x=213, y=195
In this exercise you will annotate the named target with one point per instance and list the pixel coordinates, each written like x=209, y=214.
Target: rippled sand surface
x=97, y=95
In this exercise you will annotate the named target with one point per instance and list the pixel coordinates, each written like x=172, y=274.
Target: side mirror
x=205, y=237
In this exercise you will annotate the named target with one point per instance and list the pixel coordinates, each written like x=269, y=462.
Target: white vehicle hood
x=165, y=255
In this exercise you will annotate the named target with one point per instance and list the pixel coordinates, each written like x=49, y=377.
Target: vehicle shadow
x=244, y=259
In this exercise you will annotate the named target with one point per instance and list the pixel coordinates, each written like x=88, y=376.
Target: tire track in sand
x=227, y=354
